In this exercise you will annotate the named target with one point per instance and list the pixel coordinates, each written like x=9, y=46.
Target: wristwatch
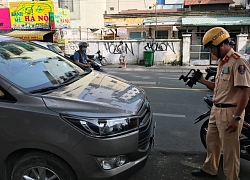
x=237, y=118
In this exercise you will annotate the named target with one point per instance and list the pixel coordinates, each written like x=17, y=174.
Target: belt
x=225, y=105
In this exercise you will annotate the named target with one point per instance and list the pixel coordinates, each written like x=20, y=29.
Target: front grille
x=145, y=123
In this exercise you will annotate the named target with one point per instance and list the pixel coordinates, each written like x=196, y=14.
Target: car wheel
x=41, y=166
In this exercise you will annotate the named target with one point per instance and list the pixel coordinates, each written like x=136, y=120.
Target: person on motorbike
x=231, y=93
x=80, y=57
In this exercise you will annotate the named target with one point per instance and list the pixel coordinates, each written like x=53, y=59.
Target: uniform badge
x=242, y=69
x=225, y=70
x=226, y=58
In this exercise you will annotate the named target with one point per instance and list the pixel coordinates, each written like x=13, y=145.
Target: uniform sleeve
x=76, y=56
x=241, y=73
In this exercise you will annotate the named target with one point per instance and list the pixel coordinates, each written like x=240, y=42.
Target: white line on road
x=143, y=77
x=169, y=115
x=169, y=78
x=141, y=82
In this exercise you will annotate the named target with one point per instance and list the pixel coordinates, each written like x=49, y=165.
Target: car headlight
x=104, y=127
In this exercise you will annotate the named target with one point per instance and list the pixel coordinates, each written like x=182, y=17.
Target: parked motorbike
x=101, y=58
x=98, y=58
x=245, y=133
x=95, y=64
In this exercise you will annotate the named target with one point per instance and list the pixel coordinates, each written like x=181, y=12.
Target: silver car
x=52, y=46
x=59, y=122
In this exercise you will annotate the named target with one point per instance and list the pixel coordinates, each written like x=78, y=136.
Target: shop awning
x=161, y=21
x=216, y=21
x=28, y=35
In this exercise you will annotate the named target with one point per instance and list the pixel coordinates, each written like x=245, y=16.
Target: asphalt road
x=178, y=149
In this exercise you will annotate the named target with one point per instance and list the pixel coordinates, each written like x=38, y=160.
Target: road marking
x=169, y=78
x=143, y=77
x=122, y=72
x=141, y=82
x=169, y=115
x=168, y=88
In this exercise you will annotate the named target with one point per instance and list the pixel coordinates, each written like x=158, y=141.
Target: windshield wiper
x=45, y=89
x=71, y=76
x=66, y=81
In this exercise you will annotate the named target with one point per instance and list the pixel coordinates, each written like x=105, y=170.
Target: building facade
x=151, y=22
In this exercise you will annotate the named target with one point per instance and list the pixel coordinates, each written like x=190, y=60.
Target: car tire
x=41, y=166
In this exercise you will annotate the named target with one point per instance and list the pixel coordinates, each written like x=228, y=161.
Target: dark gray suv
x=59, y=122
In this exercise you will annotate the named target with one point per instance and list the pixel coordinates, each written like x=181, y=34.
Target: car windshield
x=30, y=67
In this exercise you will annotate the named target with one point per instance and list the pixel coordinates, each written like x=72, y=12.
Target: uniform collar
x=228, y=55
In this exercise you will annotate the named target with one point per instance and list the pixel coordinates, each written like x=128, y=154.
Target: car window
x=30, y=67
x=5, y=96
x=55, y=49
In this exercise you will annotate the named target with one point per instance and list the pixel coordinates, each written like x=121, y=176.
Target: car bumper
x=127, y=145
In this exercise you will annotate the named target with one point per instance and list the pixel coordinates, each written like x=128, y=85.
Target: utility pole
x=199, y=1
x=155, y=19
x=118, y=5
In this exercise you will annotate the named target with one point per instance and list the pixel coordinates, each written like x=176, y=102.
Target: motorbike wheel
x=104, y=62
x=41, y=166
x=203, y=133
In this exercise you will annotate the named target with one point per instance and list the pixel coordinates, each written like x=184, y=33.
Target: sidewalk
x=155, y=68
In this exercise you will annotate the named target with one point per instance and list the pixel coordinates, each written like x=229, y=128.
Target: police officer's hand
x=232, y=125
x=207, y=83
x=201, y=79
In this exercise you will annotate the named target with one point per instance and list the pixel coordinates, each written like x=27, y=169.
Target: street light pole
x=155, y=20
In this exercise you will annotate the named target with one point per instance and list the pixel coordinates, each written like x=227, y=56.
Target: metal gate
x=198, y=54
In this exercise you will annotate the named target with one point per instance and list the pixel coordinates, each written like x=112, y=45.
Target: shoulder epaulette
x=235, y=55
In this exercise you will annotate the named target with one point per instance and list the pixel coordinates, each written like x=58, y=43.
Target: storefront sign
x=5, y=19
x=52, y=20
x=62, y=18
x=28, y=34
x=31, y=15
x=121, y=31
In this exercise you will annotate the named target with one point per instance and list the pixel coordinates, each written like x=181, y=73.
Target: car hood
x=96, y=95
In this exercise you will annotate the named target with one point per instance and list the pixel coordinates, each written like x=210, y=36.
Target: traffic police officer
x=231, y=93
